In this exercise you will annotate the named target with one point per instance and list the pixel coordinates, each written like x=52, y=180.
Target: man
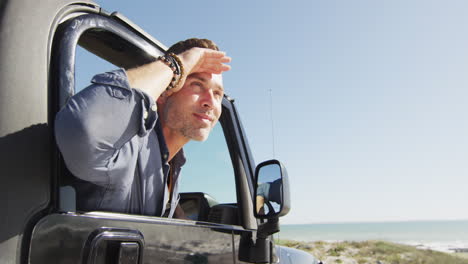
x=122, y=136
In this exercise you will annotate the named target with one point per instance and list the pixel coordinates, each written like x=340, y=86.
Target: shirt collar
x=178, y=159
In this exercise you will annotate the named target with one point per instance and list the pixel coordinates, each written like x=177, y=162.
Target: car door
x=69, y=236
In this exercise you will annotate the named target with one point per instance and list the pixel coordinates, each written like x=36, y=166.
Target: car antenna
x=273, y=135
x=272, y=124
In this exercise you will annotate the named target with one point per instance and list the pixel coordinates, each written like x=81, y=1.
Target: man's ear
x=162, y=98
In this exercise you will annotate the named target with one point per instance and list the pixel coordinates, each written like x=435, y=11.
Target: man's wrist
x=175, y=64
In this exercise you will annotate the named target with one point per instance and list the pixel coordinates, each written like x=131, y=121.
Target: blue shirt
x=112, y=142
x=271, y=191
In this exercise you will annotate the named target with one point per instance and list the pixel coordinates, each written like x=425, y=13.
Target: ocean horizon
x=448, y=235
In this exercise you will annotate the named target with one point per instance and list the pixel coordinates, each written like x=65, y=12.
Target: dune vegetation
x=380, y=252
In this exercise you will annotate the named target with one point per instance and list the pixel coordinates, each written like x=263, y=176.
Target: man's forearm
x=152, y=78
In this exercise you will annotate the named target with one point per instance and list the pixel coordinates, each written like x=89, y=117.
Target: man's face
x=194, y=110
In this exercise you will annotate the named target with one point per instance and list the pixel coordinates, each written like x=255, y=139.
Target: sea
x=445, y=236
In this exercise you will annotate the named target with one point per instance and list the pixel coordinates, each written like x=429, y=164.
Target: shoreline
x=445, y=247
x=375, y=251
x=453, y=247
x=445, y=236
x=388, y=242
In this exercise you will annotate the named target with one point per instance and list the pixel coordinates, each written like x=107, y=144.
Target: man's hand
x=154, y=77
x=205, y=60
x=201, y=60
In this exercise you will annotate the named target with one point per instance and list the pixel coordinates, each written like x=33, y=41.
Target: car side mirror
x=271, y=200
x=272, y=197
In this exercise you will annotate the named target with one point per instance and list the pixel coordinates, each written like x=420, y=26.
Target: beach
x=372, y=252
x=387, y=242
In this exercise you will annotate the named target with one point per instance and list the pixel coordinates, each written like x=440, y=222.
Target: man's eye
x=197, y=85
x=218, y=94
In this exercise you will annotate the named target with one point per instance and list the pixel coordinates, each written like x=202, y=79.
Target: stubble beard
x=197, y=134
x=183, y=124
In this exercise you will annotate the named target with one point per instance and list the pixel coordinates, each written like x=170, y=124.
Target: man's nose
x=208, y=99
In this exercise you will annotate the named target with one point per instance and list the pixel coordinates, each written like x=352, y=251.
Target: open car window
x=209, y=168
x=84, y=46
x=207, y=184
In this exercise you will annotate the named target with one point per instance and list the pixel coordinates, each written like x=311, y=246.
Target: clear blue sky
x=369, y=97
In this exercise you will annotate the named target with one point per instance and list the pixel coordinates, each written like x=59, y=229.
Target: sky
x=368, y=98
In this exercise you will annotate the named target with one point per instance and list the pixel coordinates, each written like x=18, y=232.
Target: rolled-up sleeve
x=96, y=122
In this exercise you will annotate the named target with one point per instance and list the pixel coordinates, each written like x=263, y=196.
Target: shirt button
x=154, y=107
x=165, y=156
x=145, y=115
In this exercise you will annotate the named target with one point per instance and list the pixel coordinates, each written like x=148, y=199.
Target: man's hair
x=185, y=45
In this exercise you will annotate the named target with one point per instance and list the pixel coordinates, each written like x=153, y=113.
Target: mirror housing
x=271, y=195
x=271, y=201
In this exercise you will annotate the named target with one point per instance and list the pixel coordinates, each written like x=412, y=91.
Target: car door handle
x=112, y=245
x=129, y=253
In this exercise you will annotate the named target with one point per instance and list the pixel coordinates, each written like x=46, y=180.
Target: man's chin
x=199, y=134
x=200, y=138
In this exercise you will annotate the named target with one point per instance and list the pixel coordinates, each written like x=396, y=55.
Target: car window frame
x=62, y=75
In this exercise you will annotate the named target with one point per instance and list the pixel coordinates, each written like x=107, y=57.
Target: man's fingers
x=215, y=62
x=214, y=53
x=216, y=56
x=226, y=59
x=225, y=67
x=214, y=68
x=205, y=60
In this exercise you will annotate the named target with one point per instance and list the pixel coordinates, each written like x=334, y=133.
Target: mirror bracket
x=269, y=228
x=260, y=251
